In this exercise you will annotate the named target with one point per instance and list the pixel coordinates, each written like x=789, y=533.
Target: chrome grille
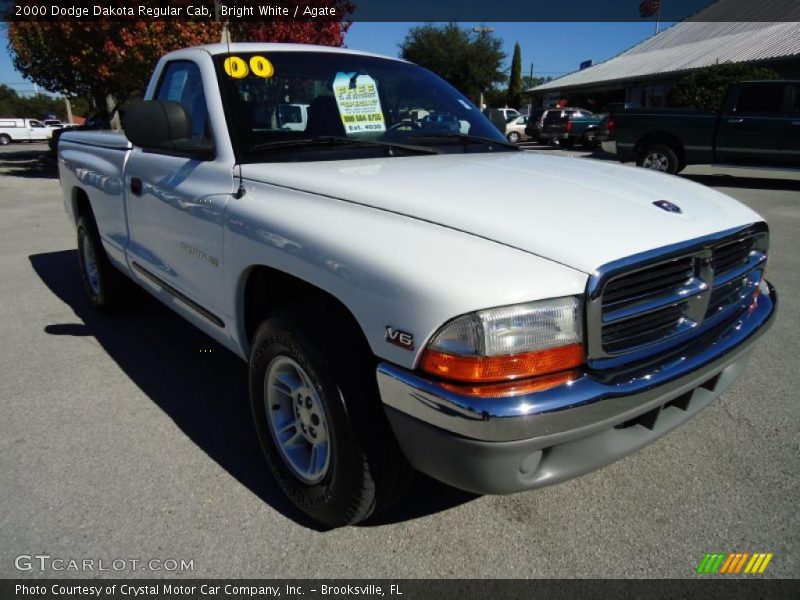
x=732, y=255
x=640, y=305
x=648, y=282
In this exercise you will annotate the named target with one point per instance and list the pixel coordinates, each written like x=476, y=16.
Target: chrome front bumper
x=501, y=445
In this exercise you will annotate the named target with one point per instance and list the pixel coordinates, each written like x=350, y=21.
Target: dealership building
x=645, y=73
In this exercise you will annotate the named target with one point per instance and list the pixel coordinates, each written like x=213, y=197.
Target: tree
x=9, y=102
x=100, y=59
x=515, y=81
x=323, y=32
x=529, y=82
x=470, y=62
x=35, y=106
x=705, y=88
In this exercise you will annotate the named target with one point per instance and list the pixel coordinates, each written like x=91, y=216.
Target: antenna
x=241, y=191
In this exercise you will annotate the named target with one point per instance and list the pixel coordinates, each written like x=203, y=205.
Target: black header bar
x=401, y=11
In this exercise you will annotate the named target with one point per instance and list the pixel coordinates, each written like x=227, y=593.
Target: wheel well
x=268, y=291
x=661, y=137
x=80, y=204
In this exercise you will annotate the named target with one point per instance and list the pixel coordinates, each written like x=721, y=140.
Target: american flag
x=649, y=7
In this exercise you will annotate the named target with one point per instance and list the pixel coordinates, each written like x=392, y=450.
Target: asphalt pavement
x=129, y=438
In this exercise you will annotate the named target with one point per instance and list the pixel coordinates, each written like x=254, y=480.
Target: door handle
x=136, y=186
x=735, y=120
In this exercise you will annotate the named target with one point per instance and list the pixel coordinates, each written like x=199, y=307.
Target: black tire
x=366, y=471
x=513, y=137
x=5, y=139
x=589, y=142
x=104, y=284
x=659, y=157
x=567, y=143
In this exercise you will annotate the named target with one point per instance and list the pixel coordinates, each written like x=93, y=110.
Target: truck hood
x=578, y=212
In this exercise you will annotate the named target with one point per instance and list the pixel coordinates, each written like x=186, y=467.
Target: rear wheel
x=320, y=422
x=102, y=282
x=5, y=139
x=659, y=157
x=513, y=137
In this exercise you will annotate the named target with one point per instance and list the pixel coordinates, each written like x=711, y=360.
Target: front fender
x=389, y=270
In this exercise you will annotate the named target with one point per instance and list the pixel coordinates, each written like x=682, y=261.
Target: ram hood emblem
x=668, y=206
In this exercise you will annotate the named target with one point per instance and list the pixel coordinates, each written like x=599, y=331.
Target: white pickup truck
x=23, y=130
x=408, y=296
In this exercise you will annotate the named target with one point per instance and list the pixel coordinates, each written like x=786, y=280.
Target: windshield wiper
x=461, y=138
x=334, y=140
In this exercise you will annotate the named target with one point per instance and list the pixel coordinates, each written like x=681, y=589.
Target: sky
x=553, y=48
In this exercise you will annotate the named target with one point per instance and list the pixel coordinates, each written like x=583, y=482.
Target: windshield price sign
x=359, y=104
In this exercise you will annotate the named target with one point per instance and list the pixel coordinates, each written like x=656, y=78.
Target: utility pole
x=658, y=17
x=530, y=97
x=482, y=31
x=69, y=109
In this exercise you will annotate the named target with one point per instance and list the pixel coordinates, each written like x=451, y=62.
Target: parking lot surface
x=129, y=437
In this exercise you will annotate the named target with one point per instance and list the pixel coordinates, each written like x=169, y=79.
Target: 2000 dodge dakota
x=404, y=296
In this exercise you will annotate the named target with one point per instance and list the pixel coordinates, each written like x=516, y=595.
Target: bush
x=705, y=88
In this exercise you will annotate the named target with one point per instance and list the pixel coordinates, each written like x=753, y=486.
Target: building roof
x=690, y=45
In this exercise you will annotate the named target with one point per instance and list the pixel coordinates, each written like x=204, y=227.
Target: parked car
x=23, y=130
x=578, y=127
x=533, y=128
x=565, y=126
x=500, y=116
x=758, y=125
x=293, y=116
x=446, y=122
x=515, y=129
x=92, y=123
x=400, y=303
x=53, y=123
x=507, y=113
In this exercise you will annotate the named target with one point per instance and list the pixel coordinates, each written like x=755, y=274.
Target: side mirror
x=164, y=126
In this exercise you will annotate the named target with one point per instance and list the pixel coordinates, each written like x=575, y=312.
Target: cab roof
x=243, y=47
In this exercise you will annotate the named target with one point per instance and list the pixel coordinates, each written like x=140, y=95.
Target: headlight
x=509, y=342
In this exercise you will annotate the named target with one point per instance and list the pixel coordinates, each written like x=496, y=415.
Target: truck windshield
x=277, y=97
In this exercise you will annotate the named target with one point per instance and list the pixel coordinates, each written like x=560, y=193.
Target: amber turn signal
x=516, y=387
x=488, y=369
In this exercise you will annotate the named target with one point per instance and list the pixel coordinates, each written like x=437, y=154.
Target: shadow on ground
x=201, y=386
x=28, y=163
x=759, y=183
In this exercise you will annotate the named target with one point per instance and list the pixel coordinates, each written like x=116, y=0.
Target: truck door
x=175, y=208
x=37, y=130
x=791, y=135
x=751, y=125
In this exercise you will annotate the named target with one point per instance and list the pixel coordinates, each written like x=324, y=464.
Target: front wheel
x=659, y=157
x=321, y=424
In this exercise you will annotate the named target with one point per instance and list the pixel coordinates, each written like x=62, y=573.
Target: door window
x=760, y=99
x=36, y=123
x=182, y=83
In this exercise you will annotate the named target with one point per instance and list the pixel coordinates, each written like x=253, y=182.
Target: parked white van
x=23, y=130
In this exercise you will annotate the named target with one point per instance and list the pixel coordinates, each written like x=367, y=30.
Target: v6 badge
x=399, y=338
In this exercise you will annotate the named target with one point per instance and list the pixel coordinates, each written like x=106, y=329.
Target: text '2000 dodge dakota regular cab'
x=401, y=303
